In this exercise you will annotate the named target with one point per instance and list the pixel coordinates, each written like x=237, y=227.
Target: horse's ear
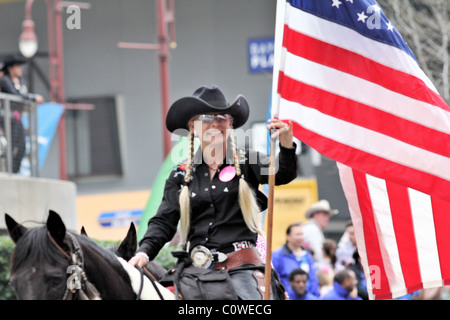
x=83, y=231
x=56, y=227
x=15, y=229
x=128, y=246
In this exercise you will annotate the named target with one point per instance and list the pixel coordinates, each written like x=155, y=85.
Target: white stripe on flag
x=366, y=92
x=348, y=185
x=379, y=198
x=359, y=138
x=423, y=221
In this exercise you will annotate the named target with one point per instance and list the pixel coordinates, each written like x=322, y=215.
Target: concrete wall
x=30, y=199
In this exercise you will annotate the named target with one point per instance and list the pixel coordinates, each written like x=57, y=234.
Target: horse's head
x=47, y=261
x=38, y=268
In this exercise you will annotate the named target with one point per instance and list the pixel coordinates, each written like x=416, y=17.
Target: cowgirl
x=214, y=194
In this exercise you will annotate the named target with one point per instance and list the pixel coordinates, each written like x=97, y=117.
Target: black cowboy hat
x=206, y=100
x=10, y=60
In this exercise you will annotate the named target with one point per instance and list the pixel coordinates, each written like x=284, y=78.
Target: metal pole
x=34, y=147
x=163, y=16
x=9, y=162
x=56, y=66
x=164, y=70
x=59, y=82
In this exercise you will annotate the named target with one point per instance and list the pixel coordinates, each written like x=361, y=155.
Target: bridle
x=77, y=282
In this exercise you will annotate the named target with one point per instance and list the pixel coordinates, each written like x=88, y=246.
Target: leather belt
x=239, y=258
x=236, y=246
x=203, y=257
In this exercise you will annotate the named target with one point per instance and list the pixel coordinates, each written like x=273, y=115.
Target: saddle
x=196, y=283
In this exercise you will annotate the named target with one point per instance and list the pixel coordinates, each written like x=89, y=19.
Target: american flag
x=355, y=93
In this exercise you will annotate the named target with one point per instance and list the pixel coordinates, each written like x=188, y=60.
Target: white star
x=376, y=8
x=390, y=26
x=362, y=17
x=349, y=1
x=336, y=3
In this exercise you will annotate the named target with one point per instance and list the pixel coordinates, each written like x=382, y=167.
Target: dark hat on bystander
x=11, y=60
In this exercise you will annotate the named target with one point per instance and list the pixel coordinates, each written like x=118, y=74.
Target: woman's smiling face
x=212, y=128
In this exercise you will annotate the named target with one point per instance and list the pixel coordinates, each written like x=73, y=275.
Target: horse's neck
x=148, y=291
x=110, y=282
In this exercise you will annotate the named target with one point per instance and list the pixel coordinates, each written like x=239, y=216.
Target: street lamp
x=28, y=46
x=28, y=43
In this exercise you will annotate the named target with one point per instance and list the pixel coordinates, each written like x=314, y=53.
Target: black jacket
x=7, y=86
x=216, y=217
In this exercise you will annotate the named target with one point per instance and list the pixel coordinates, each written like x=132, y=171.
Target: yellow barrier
x=90, y=209
x=290, y=204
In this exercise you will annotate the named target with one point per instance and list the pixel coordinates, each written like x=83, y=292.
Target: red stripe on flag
x=380, y=283
x=374, y=165
x=441, y=215
x=404, y=232
x=360, y=66
x=364, y=116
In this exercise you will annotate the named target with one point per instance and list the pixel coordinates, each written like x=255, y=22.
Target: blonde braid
x=185, y=205
x=247, y=198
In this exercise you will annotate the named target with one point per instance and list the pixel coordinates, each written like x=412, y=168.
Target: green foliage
x=6, y=248
x=165, y=258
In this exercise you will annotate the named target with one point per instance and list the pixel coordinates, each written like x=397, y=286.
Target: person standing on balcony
x=12, y=82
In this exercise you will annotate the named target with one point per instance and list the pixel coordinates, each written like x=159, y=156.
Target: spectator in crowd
x=298, y=279
x=325, y=275
x=346, y=246
x=356, y=267
x=329, y=255
x=344, y=287
x=318, y=216
x=292, y=256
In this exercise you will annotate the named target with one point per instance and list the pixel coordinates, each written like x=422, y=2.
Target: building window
x=93, y=147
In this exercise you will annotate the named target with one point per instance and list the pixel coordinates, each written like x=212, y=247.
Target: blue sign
x=121, y=218
x=48, y=116
x=260, y=55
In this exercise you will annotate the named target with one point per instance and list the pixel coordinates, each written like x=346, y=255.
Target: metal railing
x=18, y=136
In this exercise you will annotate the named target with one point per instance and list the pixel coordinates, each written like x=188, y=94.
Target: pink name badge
x=227, y=173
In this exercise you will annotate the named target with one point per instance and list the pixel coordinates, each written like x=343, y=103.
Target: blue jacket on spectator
x=338, y=293
x=284, y=261
x=294, y=296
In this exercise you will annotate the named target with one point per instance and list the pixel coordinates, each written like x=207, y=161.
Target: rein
x=144, y=271
x=77, y=281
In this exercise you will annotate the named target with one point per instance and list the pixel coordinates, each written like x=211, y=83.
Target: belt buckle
x=201, y=257
x=241, y=245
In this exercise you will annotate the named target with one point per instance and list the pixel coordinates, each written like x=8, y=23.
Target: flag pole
x=269, y=217
x=278, y=42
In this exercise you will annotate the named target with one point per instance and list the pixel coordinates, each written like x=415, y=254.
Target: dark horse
x=51, y=263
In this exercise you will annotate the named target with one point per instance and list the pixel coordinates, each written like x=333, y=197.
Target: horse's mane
x=108, y=255
x=35, y=246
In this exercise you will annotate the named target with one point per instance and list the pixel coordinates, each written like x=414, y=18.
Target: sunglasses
x=209, y=118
